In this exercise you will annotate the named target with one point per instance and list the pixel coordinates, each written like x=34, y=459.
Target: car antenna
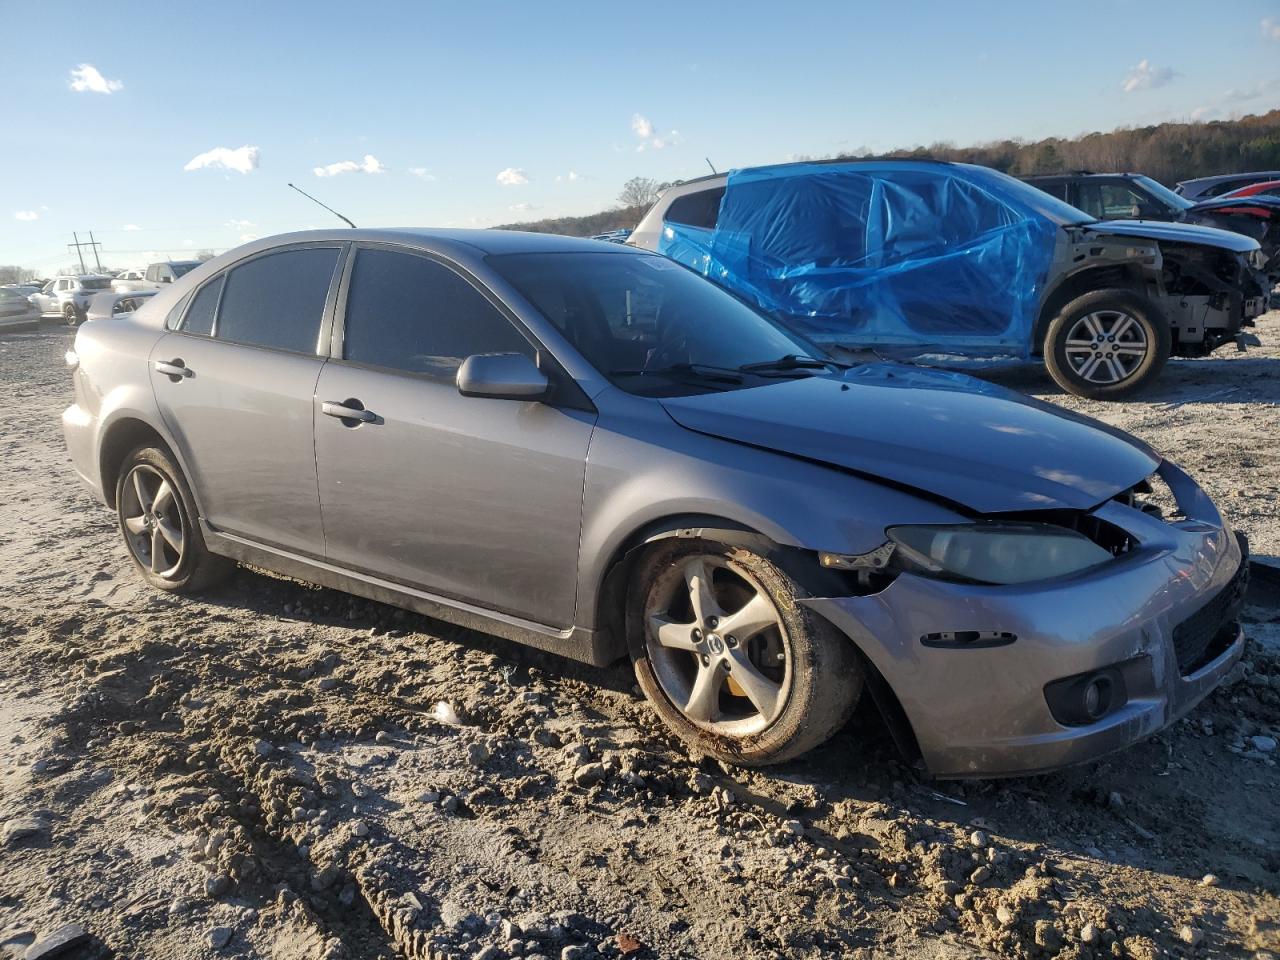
x=708, y=159
x=326, y=206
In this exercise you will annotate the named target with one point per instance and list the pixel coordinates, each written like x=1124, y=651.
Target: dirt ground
x=278, y=771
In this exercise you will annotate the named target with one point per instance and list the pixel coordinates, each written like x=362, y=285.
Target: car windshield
x=1164, y=194
x=653, y=327
x=96, y=283
x=181, y=269
x=1045, y=204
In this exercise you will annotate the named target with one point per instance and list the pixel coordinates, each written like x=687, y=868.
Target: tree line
x=1169, y=152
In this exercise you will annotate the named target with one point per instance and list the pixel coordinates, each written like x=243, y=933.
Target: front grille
x=1208, y=632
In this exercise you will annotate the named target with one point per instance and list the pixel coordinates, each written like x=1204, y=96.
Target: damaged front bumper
x=1156, y=625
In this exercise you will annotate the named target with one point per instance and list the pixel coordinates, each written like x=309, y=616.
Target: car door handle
x=348, y=410
x=174, y=368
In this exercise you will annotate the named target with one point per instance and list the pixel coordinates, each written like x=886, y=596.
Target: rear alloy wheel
x=156, y=514
x=72, y=315
x=1107, y=344
x=730, y=660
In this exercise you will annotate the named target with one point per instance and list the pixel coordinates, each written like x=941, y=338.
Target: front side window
x=278, y=300
x=409, y=313
x=1112, y=201
x=648, y=324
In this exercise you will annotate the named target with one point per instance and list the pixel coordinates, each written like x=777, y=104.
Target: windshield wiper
x=792, y=361
x=699, y=371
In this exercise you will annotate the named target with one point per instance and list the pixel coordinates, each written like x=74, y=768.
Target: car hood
x=1264, y=206
x=1174, y=233
x=951, y=436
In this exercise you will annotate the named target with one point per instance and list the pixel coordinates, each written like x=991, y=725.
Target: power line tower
x=91, y=243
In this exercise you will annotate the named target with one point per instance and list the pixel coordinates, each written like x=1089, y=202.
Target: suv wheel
x=1107, y=344
x=729, y=659
x=156, y=515
x=71, y=315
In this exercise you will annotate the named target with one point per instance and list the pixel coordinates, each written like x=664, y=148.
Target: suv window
x=1110, y=200
x=701, y=209
x=410, y=313
x=1055, y=188
x=278, y=300
x=199, y=318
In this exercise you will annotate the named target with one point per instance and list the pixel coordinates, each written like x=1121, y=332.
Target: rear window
x=278, y=300
x=97, y=283
x=182, y=269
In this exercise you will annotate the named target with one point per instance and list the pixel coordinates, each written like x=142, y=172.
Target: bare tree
x=640, y=192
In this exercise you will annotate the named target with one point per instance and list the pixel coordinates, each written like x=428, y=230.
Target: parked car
x=1123, y=196
x=68, y=296
x=16, y=309
x=26, y=289
x=1265, y=188
x=590, y=449
x=166, y=271
x=916, y=258
x=128, y=280
x=105, y=305
x=1206, y=188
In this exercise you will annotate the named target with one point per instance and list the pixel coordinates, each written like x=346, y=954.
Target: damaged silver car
x=589, y=449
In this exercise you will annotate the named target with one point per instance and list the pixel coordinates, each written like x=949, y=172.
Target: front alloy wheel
x=1107, y=344
x=729, y=657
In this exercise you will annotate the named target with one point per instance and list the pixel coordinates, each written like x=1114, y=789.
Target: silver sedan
x=592, y=450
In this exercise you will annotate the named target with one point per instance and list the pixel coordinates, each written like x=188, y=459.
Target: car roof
x=1245, y=174
x=448, y=240
x=722, y=175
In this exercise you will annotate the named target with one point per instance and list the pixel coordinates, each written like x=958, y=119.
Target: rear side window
x=278, y=300
x=199, y=318
x=700, y=209
x=413, y=314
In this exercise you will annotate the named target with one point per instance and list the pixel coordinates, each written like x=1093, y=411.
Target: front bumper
x=981, y=710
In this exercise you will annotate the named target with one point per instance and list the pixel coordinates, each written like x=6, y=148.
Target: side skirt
x=596, y=647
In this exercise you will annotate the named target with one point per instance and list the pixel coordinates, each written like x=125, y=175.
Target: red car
x=1269, y=187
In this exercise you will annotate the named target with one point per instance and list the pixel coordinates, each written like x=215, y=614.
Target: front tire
x=156, y=515
x=729, y=659
x=71, y=315
x=1107, y=345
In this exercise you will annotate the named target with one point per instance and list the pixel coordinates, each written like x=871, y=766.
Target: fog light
x=1086, y=697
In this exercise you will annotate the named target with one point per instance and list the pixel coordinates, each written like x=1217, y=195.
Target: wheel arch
x=1123, y=276
x=125, y=433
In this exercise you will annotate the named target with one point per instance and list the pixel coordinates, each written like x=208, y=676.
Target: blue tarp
x=913, y=257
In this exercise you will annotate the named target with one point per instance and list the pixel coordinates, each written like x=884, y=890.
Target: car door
x=235, y=384
x=474, y=499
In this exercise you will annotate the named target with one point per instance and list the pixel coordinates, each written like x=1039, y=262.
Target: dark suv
x=1134, y=196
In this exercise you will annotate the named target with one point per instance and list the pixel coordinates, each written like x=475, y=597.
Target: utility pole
x=80, y=252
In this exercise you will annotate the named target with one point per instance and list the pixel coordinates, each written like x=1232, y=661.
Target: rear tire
x=157, y=518
x=72, y=315
x=730, y=660
x=1107, y=345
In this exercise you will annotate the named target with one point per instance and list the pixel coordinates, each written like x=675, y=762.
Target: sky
x=167, y=128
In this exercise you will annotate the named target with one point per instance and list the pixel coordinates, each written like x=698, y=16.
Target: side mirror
x=502, y=376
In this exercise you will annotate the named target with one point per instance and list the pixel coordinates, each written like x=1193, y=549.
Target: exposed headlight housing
x=994, y=552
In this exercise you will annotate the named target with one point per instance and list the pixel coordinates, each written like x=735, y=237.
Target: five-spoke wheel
x=731, y=658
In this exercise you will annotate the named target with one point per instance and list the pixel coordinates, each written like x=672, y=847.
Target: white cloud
x=512, y=177
x=650, y=138
x=26, y=215
x=521, y=207
x=242, y=159
x=86, y=79
x=130, y=227
x=1146, y=76
x=370, y=164
x=248, y=237
x=1205, y=113
x=1271, y=29
x=569, y=177
x=235, y=224
x=422, y=173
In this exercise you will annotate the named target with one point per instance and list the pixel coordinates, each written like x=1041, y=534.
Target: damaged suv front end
x=1207, y=283
x=1058, y=669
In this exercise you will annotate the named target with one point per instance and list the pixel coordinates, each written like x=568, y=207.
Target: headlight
x=996, y=552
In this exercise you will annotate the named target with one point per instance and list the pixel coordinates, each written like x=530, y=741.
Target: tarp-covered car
x=919, y=257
